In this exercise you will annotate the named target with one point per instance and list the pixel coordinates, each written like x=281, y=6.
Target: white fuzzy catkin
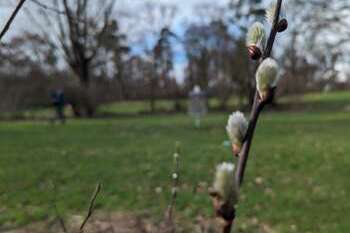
x=225, y=184
x=267, y=76
x=236, y=128
x=256, y=35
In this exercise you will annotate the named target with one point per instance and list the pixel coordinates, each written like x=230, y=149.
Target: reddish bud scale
x=254, y=52
x=236, y=149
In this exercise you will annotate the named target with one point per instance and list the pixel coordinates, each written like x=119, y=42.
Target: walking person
x=58, y=103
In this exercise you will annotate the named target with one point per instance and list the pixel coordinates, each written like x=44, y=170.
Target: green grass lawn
x=302, y=158
x=317, y=102
x=320, y=102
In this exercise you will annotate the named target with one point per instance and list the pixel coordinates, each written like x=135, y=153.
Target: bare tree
x=81, y=34
x=80, y=29
x=319, y=37
x=163, y=56
x=26, y=87
x=215, y=60
x=154, y=37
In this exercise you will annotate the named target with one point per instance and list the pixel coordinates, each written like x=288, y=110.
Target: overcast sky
x=187, y=11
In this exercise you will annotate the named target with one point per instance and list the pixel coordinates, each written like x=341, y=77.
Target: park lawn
x=302, y=160
x=318, y=101
x=161, y=106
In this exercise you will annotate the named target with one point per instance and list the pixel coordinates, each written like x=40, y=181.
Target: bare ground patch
x=130, y=223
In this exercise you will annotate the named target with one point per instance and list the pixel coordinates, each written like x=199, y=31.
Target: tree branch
x=258, y=105
x=10, y=20
x=225, y=210
x=46, y=7
x=273, y=33
x=103, y=30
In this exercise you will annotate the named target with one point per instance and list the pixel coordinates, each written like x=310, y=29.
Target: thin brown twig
x=53, y=9
x=91, y=208
x=10, y=20
x=110, y=222
x=55, y=209
x=47, y=7
x=59, y=218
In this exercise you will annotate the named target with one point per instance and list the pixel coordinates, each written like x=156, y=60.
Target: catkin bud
x=282, y=25
x=256, y=40
x=267, y=77
x=225, y=184
x=271, y=11
x=236, y=128
x=254, y=52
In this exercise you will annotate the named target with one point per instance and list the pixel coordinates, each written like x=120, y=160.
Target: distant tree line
x=86, y=53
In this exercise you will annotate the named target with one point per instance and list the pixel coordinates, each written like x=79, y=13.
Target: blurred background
x=118, y=76
x=159, y=50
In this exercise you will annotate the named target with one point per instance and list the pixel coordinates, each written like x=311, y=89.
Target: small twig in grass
x=175, y=178
x=91, y=208
x=55, y=209
x=10, y=20
x=110, y=222
x=60, y=219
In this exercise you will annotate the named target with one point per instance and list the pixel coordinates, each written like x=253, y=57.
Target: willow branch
x=258, y=104
x=10, y=20
x=226, y=211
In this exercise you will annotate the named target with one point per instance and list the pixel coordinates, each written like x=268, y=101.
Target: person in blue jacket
x=58, y=103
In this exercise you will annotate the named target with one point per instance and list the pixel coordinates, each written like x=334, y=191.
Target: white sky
x=187, y=11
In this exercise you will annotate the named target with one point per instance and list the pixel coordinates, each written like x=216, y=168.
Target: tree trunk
x=177, y=104
x=123, y=91
x=87, y=106
x=84, y=74
x=152, y=96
